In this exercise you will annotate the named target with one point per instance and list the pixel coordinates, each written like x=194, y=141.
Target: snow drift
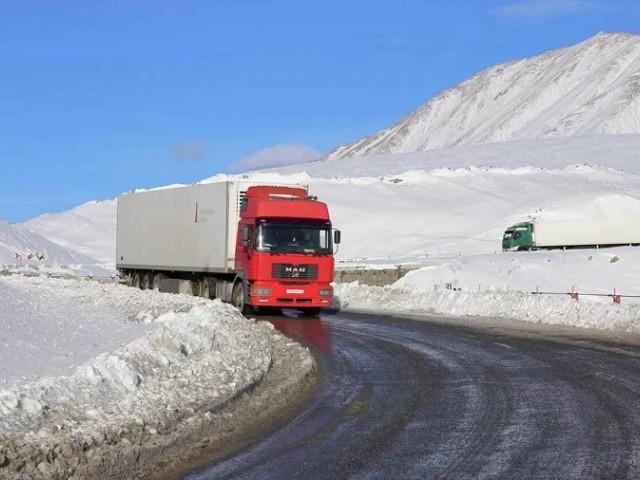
x=197, y=357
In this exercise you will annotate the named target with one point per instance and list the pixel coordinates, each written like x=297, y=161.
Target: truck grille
x=285, y=270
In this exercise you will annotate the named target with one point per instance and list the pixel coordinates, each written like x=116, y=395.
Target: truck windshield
x=292, y=238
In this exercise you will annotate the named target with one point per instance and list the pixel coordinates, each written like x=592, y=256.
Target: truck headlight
x=261, y=291
x=325, y=292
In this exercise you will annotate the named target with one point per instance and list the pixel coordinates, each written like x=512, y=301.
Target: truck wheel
x=237, y=299
x=208, y=288
x=310, y=312
x=135, y=281
x=157, y=281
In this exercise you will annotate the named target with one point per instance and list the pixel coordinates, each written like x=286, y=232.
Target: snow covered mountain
x=88, y=228
x=591, y=88
x=34, y=249
x=400, y=207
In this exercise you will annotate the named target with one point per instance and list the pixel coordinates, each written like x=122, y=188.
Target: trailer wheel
x=135, y=281
x=208, y=288
x=157, y=280
x=146, y=281
x=237, y=299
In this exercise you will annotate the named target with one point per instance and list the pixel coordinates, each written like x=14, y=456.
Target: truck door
x=244, y=248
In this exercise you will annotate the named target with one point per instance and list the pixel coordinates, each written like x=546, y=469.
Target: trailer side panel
x=182, y=229
x=557, y=233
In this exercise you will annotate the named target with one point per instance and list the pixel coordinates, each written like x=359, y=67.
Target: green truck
x=548, y=234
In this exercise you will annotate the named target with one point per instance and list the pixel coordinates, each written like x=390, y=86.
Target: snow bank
x=197, y=357
x=559, y=310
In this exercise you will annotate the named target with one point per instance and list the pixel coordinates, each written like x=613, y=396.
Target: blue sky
x=103, y=97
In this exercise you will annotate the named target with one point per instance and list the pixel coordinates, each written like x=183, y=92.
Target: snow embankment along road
x=195, y=358
x=515, y=305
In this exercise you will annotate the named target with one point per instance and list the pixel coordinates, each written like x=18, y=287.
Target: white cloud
x=544, y=8
x=277, y=156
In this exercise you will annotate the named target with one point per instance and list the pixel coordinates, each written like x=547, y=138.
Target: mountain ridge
x=591, y=88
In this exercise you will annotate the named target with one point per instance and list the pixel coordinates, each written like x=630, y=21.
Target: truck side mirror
x=336, y=236
x=246, y=236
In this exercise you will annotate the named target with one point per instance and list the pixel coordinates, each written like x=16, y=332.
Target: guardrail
x=616, y=297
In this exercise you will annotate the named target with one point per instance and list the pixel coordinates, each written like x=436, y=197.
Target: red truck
x=257, y=246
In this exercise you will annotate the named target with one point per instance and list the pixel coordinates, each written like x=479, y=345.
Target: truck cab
x=518, y=237
x=284, y=251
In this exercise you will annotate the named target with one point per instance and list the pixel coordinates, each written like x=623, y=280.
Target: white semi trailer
x=547, y=234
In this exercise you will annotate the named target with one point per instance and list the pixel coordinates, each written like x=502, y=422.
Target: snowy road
x=421, y=399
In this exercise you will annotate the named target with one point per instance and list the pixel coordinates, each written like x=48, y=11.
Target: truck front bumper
x=268, y=294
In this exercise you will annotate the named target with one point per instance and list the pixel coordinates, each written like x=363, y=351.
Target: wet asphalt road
x=407, y=399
